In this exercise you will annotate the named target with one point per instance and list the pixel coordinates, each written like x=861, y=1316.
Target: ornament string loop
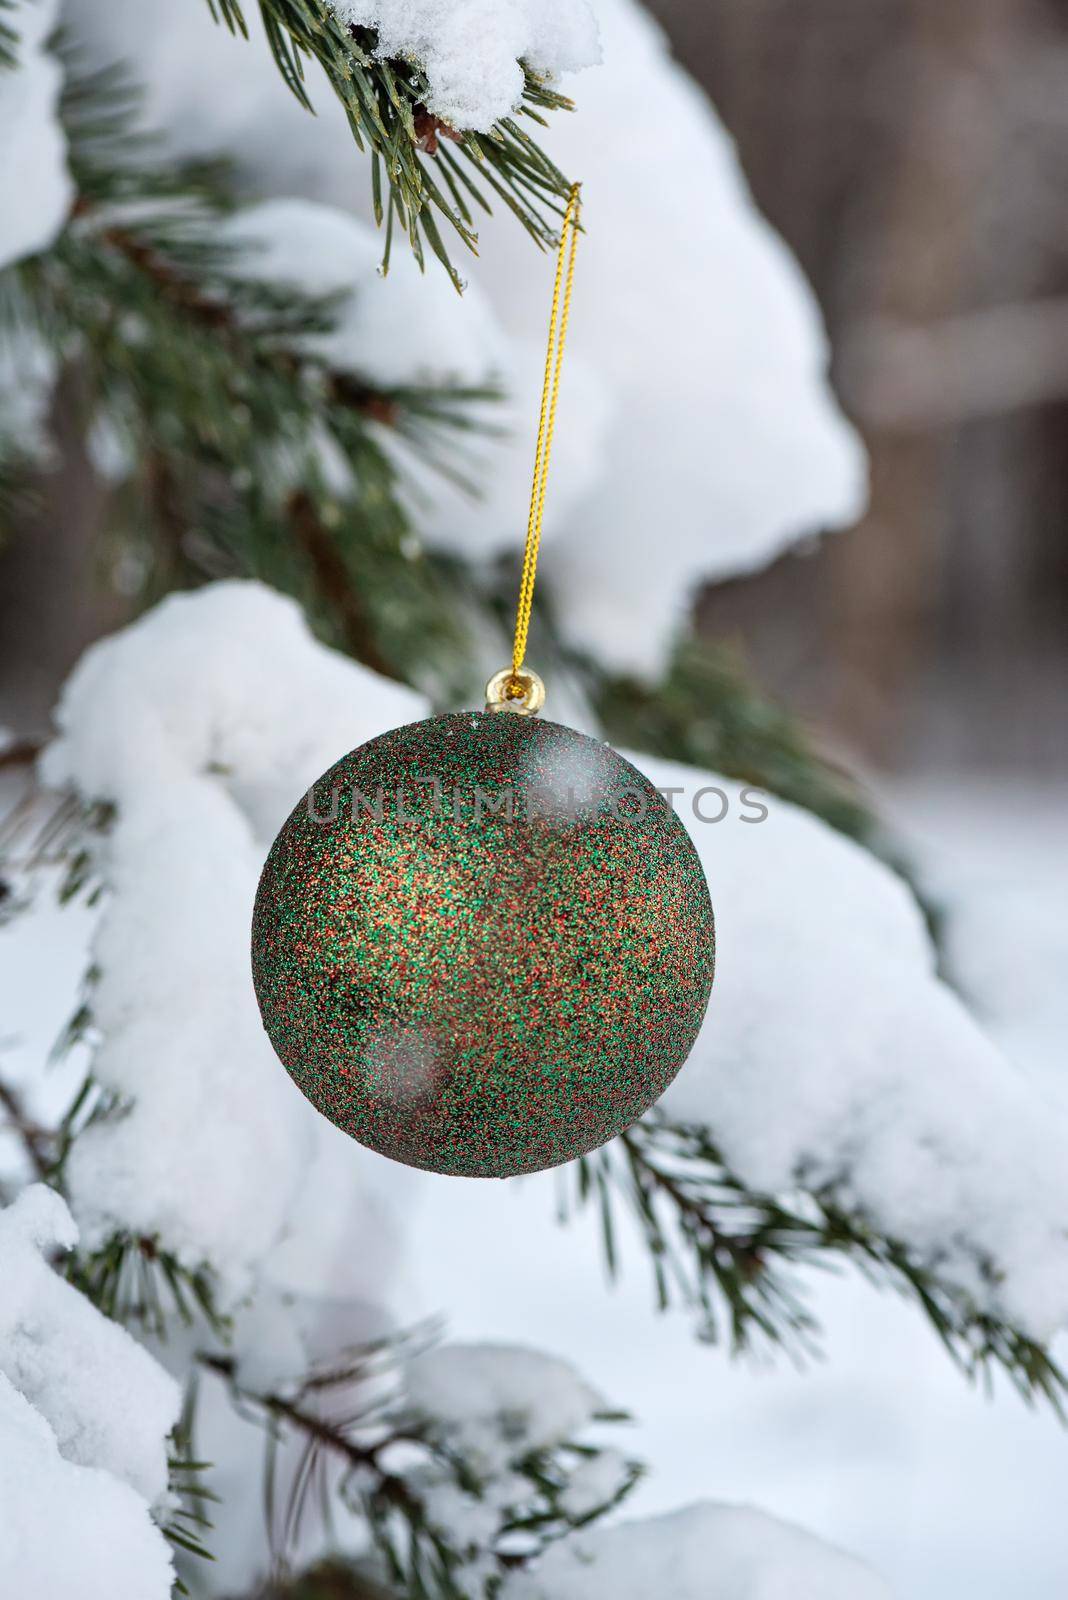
x=517, y=688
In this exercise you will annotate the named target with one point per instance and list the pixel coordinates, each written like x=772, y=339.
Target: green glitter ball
x=483, y=944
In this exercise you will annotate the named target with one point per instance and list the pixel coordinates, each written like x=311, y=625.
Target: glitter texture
x=483, y=944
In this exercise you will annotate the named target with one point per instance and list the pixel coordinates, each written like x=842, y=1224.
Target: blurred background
x=914, y=157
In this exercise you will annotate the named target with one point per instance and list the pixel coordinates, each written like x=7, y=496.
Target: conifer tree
x=236, y=436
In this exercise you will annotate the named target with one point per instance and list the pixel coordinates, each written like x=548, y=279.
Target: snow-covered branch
x=847, y=1091
x=713, y=426
x=467, y=1467
x=728, y=1252
x=409, y=75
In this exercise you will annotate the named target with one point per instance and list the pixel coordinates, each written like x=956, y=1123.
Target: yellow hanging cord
x=514, y=683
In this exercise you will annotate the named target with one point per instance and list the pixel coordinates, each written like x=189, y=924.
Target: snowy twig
x=188, y=1525
x=386, y=105
x=411, y=1479
x=134, y=1280
x=335, y=1437
x=722, y=1248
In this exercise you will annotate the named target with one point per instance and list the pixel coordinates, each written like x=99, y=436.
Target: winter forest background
x=808, y=538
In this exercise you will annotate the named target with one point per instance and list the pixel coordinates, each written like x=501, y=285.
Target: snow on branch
x=198, y=780
x=727, y=1251
x=472, y=50
x=84, y=1417
x=725, y=444
x=465, y=1462
x=105, y=1399
x=410, y=75
x=839, y=1097
x=108, y=1548
x=833, y=1059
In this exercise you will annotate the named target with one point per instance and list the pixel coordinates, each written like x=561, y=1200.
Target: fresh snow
x=832, y=1056
x=496, y=1403
x=35, y=187
x=726, y=444
x=494, y=1406
x=84, y=1418
x=106, y=1400
x=471, y=49
x=705, y=1552
x=992, y=858
x=407, y=327
x=69, y=1532
x=203, y=723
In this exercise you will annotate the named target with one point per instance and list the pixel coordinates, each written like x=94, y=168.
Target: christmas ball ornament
x=483, y=944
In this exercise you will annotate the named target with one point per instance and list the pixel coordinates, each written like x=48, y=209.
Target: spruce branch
x=46, y=833
x=374, y=1455
x=385, y=102
x=333, y=581
x=188, y=1525
x=729, y=1253
x=134, y=1280
x=217, y=389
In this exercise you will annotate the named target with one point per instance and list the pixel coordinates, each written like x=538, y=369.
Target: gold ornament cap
x=519, y=691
